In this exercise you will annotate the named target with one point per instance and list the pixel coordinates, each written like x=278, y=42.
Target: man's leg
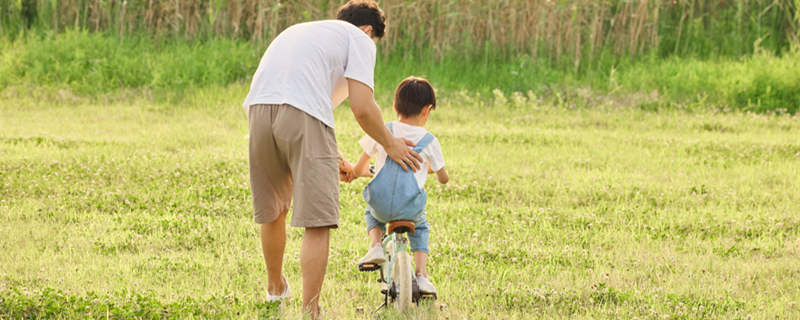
x=271, y=186
x=313, y=262
x=310, y=147
x=273, y=244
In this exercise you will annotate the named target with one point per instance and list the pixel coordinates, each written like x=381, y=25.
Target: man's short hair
x=413, y=94
x=363, y=13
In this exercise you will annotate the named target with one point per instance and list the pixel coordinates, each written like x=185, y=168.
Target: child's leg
x=375, y=236
x=419, y=244
x=374, y=255
x=375, y=228
x=420, y=259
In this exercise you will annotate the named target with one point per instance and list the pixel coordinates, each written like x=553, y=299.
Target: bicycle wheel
x=402, y=276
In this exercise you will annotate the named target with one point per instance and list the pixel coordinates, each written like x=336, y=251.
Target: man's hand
x=398, y=149
x=345, y=170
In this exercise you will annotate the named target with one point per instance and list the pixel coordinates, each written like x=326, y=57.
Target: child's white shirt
x=431, y=154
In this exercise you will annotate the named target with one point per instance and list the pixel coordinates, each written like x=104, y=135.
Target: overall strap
x=423, y=142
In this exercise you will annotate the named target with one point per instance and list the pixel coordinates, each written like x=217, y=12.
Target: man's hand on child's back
x=400, y=152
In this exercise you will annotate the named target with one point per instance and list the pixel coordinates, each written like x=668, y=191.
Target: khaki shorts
x=292, y=154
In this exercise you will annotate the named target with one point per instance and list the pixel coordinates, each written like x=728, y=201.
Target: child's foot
x=374, y=256
x=424, y=284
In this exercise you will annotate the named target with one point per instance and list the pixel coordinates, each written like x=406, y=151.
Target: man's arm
x=368, y=115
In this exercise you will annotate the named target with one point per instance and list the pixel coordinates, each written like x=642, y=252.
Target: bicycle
x=400, y=284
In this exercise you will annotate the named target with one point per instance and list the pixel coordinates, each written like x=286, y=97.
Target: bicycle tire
x=403, y=278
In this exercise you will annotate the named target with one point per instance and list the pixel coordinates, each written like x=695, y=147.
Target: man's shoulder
x=329, y=24
x=342, y=29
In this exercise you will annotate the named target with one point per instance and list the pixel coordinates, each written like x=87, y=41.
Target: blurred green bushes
x=92, y=63
x=98, y=62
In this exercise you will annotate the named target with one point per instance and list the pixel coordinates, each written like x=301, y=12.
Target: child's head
x=414, y=97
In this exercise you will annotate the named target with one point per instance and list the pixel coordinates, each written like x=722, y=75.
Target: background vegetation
x=609, y=159
x=727, y=54
x=576, y=31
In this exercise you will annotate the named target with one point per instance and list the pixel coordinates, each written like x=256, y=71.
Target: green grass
x=131, y=206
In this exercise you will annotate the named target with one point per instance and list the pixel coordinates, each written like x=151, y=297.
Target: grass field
x=129, y=206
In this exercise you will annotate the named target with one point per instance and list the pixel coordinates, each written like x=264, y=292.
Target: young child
x=413, y=102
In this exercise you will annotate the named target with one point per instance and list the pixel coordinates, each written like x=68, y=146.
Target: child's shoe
x=374, y=256
x=425, y=286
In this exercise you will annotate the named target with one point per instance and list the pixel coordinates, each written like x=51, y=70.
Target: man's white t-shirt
x=431, y=154
x=306, y=66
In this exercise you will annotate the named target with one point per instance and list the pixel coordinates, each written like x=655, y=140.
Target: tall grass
x=572, y=33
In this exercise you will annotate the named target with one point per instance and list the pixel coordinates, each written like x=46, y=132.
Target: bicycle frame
x=394, y=243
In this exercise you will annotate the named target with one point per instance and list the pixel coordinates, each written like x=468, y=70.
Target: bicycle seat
x=400, y=226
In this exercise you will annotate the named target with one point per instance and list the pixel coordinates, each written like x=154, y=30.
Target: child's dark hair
x=363, y=13
x=412, y=95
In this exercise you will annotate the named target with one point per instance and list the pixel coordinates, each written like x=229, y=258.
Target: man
x=307, y=70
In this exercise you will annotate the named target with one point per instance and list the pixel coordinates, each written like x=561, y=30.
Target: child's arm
x=362, y=167
x=442, y=176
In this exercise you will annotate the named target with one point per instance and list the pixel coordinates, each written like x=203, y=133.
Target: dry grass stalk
x=576, y=29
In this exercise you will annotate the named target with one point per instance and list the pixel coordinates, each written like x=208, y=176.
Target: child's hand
x=360, y=172
x=362, y=168
x=345, y=171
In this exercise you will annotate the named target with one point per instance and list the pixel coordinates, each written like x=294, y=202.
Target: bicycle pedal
x=427, y=295
x=368, y=267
